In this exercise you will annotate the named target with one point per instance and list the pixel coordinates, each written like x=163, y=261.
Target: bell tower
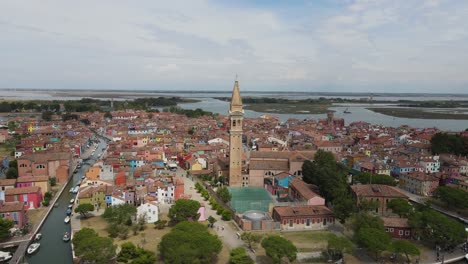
x=236, y=116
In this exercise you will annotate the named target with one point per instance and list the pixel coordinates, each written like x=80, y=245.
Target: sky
x=295, y=45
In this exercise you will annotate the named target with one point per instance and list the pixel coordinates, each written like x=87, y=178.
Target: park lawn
x=308, y=241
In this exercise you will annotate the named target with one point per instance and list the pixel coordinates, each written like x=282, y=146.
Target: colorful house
x=31, y=197
x=40, y=181
x=397, y=227
x=95, y=195
x=15, y=212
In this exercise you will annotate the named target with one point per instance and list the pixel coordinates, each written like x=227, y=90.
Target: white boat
x=72, y=201
x=33, y=248
x=71, y=189
x=76, y=189
x=66, y=237
x=70, y=206
x=37, y=237
x=83, y=177
x=67, y=220
x=4, y=256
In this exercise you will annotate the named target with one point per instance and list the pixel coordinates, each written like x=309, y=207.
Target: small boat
x=70, y=206
x=67, y=219
x=37, y=237
x=66, y=237
x=5, y=255
x=33, y=248
x=76, y=189
x=56, y=205
x=83, y=177
x=69, y=211
x=346, y=111
x=71, y=189
x=72, y=201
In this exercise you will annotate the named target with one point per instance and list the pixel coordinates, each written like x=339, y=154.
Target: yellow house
x=93, y=195
x=368, y=153
x=39, y=181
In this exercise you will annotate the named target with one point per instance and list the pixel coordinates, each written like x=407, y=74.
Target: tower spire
x=236, y=100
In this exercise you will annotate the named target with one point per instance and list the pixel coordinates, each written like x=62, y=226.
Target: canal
x=53, y=249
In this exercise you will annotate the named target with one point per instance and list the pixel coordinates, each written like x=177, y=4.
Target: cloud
x=319, y=45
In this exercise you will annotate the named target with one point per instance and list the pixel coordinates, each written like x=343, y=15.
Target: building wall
x=399, y=232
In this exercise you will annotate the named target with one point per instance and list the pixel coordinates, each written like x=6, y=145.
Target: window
x=291, y=223
x=407, y=232
x=400, y=232
x=391, y=230
x=40, y=166
x=307, y=222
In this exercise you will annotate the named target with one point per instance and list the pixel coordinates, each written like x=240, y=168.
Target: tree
x=189, y=242
x=277, y=247
x=452, y=197
x=211, y=220
x=224, y=194
x=373, y=239
x=368, y=178
x=136, y=254
x=160, y=224
x=108, y=115
x=120, y=214
x=13, y=164
x=405, y=247
x=12, y=173
x=83, y=209
x=184, y=209
x=5, y=226
x=364, y=220
x=337, y=246
x=239, y=256
x=90, y=247
x=226, y=215
x=251, y=239
x=436, y=228
x=12, y=125
x=53, y=181
x=47, y=115
x=344, y=206
x=400, y=206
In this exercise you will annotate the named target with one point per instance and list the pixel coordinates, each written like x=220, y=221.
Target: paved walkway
x=226, y=230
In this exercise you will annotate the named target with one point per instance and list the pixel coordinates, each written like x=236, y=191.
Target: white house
x=149, y=210
x=117, y=200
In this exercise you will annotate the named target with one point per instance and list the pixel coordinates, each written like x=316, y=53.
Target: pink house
x=15, y=212
x=302, y=192
x=30, y=197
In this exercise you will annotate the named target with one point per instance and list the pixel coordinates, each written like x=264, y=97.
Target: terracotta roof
x=300, y=211
x=395, y=222
x=30, y=189
x=282, y=165
x=6, y=182
x=11, y=207
x=377, y=190
x=303, y=188
x=33, y=178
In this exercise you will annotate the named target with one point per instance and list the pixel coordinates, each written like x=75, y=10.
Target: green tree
x=108, y=115
x=211, y=220
x=367, y=178
x=12, y=125
x=337, y=246
x=224, y=194
x=452, y=197
x=120, y=214
x=47, y=115
x=13, y=164
x=53, y=181
x=436, y=228
x=5, y=226
x=91, y=248
x=364, y=220
x=277, y=247
x=127, y=252
x=344, y=206
x=405, y=247
x=160, y=224
x=12, y=173
x=372, y=239
x=83, y=209
x=239, y=256
x=400, y=207
x=251, y=239
x=189, y=242
x=184, y=209
x=226, y=215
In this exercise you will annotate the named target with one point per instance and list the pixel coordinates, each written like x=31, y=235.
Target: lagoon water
x=208, y=103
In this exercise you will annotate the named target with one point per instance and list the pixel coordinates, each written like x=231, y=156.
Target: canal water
x=53, y=249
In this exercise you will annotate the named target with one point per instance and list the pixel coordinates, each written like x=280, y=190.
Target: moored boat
x=37, y=237
x=72, y=201
x=67, y=219
x=66, y=237
x=33, y=248
x=5, y=255
x=69, y=211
